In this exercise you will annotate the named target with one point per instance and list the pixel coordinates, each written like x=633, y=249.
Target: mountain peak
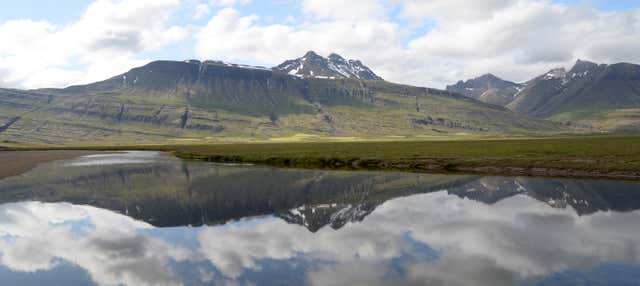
x=336, y=57
x=312, y=65
x=579, y=62
x=488, y=75
x=311, y=54
x=583, y=66
x=487, y=88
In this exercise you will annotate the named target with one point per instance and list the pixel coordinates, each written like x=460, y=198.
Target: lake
x=144, y=218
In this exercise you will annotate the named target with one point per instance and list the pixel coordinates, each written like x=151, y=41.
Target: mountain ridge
x=488, y=88
x=606, y=96
x=312, y=65
x=214, y=100
x=602, y=96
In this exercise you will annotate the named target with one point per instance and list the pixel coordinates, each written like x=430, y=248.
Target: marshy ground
x=599, y=156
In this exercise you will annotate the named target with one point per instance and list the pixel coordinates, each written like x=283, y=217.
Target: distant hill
x=212, y=100
x=488, y=88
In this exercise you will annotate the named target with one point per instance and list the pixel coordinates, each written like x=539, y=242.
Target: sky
x=52, y=43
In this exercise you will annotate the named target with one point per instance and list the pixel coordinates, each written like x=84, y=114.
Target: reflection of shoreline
x=167, y=192
x=175, y=193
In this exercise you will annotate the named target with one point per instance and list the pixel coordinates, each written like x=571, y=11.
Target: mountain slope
x=603, y=95
x=488, y=88
x=168, y=100
x=311, y=65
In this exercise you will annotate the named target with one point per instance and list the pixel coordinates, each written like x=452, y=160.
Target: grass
x=330, y=109
x=616, y=120
x=610, y=153
x=605, y=156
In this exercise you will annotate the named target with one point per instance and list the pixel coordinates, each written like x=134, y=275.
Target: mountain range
x=214, y=100
x=603, y=96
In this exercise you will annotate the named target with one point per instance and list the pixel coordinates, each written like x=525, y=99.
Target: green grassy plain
x=614, y=120
x=595, y=156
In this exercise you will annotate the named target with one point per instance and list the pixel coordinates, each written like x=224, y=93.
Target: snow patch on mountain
x=312, y=65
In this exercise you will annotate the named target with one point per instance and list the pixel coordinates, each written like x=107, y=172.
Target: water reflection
x=127, y=223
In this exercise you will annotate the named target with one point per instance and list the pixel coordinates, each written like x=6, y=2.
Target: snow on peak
x=556, y=74
x=312, y=65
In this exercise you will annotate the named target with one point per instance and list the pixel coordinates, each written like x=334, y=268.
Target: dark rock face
x=443, y=122
x=488, y=88
x=217, y=85
x=586, y=86
x=311, y=65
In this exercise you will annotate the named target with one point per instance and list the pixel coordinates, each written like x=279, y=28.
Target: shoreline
x=15, y=163
x=433, y=166
x=605, y=157
x=19, y=162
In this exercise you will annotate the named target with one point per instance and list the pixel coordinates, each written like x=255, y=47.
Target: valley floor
x=598, y=157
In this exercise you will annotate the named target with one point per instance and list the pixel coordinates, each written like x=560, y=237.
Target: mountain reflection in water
x=127, y=219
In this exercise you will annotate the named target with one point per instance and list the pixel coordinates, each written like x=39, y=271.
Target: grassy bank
x=617, y=157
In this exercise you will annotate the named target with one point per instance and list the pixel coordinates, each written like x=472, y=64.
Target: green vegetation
x=616, y=120
x=589, y=153
x=601, y=156
x=175, y=100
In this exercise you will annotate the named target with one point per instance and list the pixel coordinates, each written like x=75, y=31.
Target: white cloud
x=451, y=10
x=112, y=250
x=103, y=42
x=514, y=39
x=462, y=232
x=353, y=10
x=228, y=3
x=231, y=36
x=517, y=39
x=202, y=10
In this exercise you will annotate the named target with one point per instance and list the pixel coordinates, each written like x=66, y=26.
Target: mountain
x=585, y=196
x=540, y=91
x=335, y=215
x=589, y=96
x=601, y=95
x=165, y=101
x=311, y=65
x=488, y=88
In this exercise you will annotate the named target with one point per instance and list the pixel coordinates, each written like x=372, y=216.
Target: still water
x=142, y=218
